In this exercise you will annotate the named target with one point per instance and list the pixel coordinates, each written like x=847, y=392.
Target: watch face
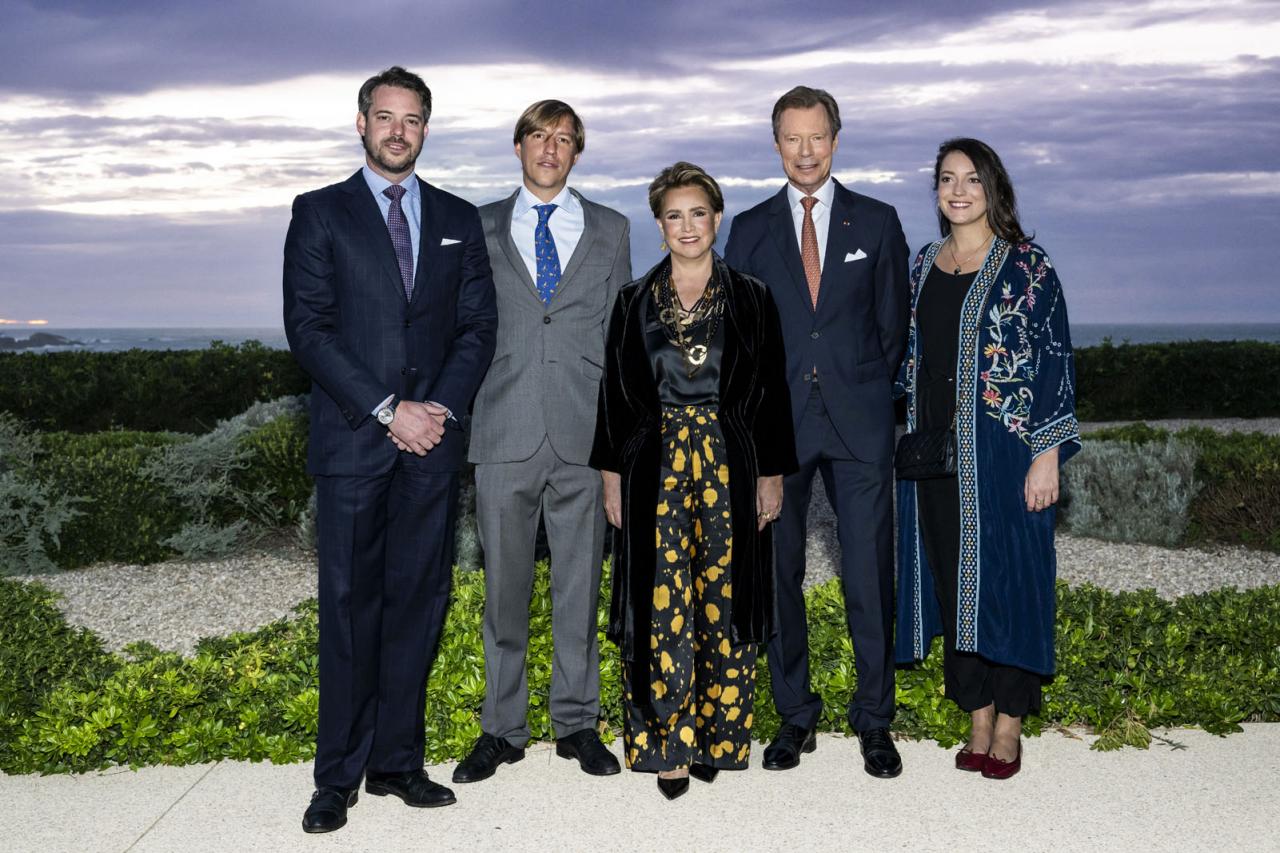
x=386, y=415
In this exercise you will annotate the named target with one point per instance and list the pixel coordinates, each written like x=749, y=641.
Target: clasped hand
x=417, y=427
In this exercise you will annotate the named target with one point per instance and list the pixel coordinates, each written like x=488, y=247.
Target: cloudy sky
x=149, y=150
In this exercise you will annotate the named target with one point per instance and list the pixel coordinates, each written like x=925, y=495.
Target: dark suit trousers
x=385, y=553
x=860, y=495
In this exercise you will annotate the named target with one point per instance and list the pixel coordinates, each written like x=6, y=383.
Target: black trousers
x=971, y=681
x=385, y=552
x=860, y=494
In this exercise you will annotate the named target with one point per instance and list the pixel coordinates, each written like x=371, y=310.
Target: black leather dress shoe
x=592, y=756
x=412, y=786
x=784, y=752
x=879, y=756
x=703, y=772
x=328, y=809
x=485, y=757
x=672, y=788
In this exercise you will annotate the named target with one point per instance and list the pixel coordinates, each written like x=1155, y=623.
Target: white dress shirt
x=566, y=225
x=821, y=215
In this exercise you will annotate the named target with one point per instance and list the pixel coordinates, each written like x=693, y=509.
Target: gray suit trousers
x=510, y=497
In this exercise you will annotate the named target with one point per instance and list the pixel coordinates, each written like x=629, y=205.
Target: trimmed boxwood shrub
x=124, y=517
x=1188, y=379
x=1127, y=661
x=164, y=390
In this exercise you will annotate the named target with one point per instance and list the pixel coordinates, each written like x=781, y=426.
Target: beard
x=388, y=162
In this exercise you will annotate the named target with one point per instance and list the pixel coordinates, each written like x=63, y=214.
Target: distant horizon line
x=280, y=328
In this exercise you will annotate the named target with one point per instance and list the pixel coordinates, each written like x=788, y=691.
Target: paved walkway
x=1193, y=792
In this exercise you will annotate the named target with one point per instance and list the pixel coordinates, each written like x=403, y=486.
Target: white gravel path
x=174, y=604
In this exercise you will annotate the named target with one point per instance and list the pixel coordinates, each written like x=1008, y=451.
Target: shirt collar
x=825, y=194
x=527, y=201
x=377, y=183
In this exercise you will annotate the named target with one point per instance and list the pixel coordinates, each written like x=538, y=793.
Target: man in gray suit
x=558, y=261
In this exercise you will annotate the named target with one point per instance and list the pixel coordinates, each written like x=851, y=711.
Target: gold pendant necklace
x=959, y=263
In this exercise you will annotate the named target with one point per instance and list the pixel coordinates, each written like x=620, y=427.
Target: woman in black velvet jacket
x=693, y=435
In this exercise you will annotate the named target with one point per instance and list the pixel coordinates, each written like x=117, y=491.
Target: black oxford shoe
x=879, y=756
x=328, y=809
x=592, y=756
x=412, y=786
x=485, y=757
x=784, y=752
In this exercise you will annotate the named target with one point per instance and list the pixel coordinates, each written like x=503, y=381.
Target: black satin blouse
x=675, y=388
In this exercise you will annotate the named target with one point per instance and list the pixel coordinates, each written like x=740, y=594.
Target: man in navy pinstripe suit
x=389, y=307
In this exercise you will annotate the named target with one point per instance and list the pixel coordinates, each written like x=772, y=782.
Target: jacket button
x=814, y=335
x=407, y=324
x=546, y=320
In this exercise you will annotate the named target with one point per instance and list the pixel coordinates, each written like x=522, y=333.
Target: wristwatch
x=387, y=414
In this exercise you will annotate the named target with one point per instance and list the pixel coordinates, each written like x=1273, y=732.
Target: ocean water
x=1082, y=335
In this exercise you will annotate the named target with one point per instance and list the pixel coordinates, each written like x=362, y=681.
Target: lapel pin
x=845, y=223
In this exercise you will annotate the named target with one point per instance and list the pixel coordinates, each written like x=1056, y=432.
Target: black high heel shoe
x=704, y=772
x=672, y=788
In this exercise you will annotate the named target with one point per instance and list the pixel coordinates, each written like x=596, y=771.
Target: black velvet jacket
x=755, y=417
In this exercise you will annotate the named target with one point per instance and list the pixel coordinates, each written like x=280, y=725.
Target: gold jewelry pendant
x=697, y=354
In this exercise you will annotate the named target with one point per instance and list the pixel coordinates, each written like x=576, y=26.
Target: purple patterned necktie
x=400, y=239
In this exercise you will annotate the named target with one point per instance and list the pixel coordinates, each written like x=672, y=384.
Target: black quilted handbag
x=926, y=455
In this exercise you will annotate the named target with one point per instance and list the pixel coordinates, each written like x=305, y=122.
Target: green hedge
x=1238, y=501
x=124, y=517
x=190, y=390
x=154, y=391
x=1191, y=379
x=1127, y=661
x=141, y=497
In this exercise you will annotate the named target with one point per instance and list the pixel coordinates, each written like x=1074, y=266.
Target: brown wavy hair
x=1002, y=203
x=684, y=174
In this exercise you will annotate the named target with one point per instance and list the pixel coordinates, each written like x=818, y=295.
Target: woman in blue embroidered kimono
x=990, y=353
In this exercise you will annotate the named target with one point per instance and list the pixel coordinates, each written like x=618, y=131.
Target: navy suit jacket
x=858, y=333
x=352, y=330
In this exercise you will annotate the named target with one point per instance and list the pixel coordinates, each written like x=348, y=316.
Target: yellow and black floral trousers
x=698, y=703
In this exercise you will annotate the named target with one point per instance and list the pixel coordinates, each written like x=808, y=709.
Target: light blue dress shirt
x=566, y=225
x=410, y=203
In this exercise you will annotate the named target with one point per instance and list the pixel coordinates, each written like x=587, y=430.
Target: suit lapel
x=509, y=246
x=783, y=229
x=590, y=228
x=840, y=239
x=365, y=211
x=429, y=236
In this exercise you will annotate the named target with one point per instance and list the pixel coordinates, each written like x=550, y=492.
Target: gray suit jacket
x=544, y=380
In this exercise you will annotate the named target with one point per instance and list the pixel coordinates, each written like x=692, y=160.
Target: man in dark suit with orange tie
x=836, y=264
x=389, y=307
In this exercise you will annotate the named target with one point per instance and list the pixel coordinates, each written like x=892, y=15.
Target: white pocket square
x=855, y=256
x=449, y=241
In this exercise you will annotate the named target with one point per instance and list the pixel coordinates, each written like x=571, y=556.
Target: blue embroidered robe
x=1015, y=399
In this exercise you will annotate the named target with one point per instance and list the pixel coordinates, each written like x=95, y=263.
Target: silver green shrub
x=1128, y=492
x=199, y=473
x=31, y=518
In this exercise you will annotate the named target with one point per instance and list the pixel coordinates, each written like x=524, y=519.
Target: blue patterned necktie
x=544, y=249
x=400, y=238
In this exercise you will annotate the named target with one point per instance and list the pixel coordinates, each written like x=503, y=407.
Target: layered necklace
x=678, y=321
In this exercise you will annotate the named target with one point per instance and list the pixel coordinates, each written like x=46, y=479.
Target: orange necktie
x=809, y=249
